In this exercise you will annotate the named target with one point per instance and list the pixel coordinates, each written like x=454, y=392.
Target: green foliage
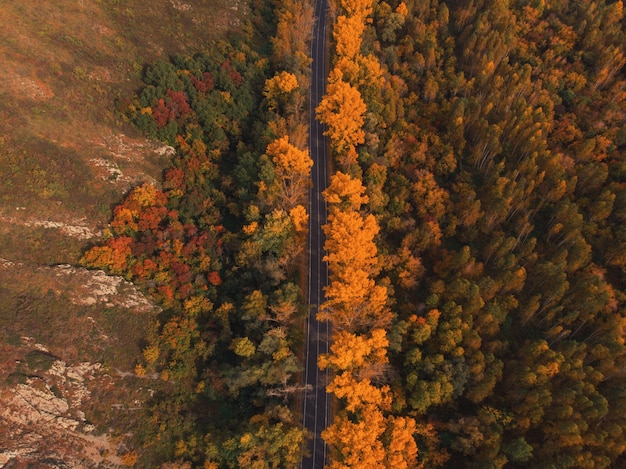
x=224, y=336
x=499, y=210
x=39, y=361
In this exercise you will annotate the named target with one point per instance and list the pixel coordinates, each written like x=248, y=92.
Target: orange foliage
x=292, y=168
x=351, y=352
x=359, y=392
x=360, y=8
x=347, y=33
x=113, y=256
x=401, y=449
x=345, y=191
x=342, y=110
x=214, y=278
x=350, y=241
x=358, y=443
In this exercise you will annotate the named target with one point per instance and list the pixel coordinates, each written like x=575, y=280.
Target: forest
x=476, y=238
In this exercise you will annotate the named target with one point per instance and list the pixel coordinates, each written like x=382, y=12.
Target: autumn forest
x=476, y=238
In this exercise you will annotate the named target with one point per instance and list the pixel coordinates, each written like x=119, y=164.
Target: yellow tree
x=345, y=192
x=357, y=443
x=359, y=392
x=347, y=33
x=401, y=449
x=354, y=301
x=342, y=110
x=292, y=169
x=361, y=435
x=350, y=241
x=279, y=87
x=355, y=353
x=359, y=8
x=293, y=32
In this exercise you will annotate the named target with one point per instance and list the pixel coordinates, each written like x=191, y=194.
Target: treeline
x=491, y=147
x=364, y=432
x=217, y=245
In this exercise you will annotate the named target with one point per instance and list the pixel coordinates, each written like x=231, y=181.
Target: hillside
x=71, y=338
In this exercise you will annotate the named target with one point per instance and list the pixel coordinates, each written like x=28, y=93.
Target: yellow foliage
x=360, y=8
x=288, y=159
x=342, y=110
x=352, y=352
x=300, y=218
x=124, y=221
x=402, y=450
x=284, y=81
x=251, y=228
x=350, y=240
x=151, y=354
x=197, y=304
x=347, y=32
x=129, y=459
x=359, y=394
x=292, y=172
x=279, y=86
x=358, y=442
x=347, y=69
x=372, y=72
x=140, y=370
x=345, y=190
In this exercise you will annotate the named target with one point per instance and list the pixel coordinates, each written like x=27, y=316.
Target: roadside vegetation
x=218, y=246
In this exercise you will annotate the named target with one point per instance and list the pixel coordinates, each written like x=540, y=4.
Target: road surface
x=316, y=402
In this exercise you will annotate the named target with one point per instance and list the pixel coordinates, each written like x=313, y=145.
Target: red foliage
x=178, y=104
x=190, y=230
x=214, y=278
x=146, y=269
x=182, y=271
x=206, y=83
x=165, y=259
x=185, y=291
x=233, y=74
x=174, y=179
x=162, y=114
x=150, y=218
x=166, y=292
x=207, y=78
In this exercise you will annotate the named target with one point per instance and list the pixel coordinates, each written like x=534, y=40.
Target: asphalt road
x=316, y=402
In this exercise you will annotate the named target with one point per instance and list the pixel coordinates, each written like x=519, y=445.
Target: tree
x=342, y=110
x=347, y=32
x=292, y=169
x=279, y=88
x=345, y=193
x=357, y=444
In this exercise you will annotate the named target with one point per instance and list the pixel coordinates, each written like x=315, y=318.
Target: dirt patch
x=26, y=87
x=75, y=229
x=43, y=412
x=96, y=287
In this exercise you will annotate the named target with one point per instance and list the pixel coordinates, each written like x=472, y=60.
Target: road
x=316, y=402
